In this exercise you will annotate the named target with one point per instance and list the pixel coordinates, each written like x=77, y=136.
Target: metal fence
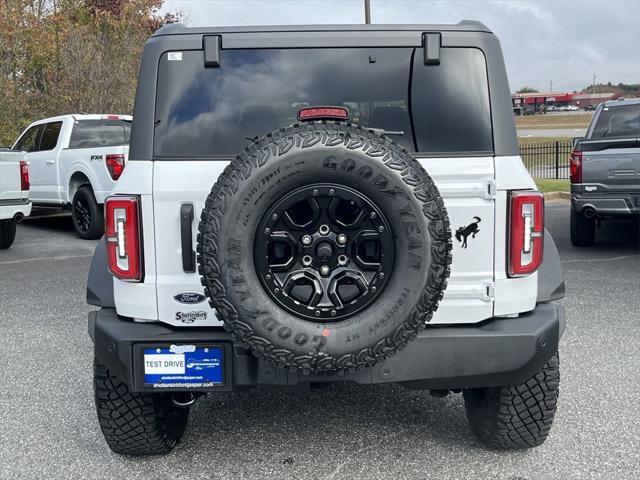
x=547, y=159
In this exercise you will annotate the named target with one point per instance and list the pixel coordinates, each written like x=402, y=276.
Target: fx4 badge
x=463, y=233
x=190, y=317
x=189, y=297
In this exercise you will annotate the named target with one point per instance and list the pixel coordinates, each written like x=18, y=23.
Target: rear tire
x=88, y=219
x=7, y=233
x=136, y=423
x=516, y=416
x=583, y=230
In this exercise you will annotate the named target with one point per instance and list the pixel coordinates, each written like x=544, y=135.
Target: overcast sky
x=564, y=41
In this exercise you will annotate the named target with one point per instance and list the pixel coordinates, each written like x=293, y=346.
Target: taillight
x=575, y=166
x=317, y=113
x=24, y=176
x=115, y=164
x=123, y=237
x=526, y=218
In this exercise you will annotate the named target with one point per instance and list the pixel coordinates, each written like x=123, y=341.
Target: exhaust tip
x=18, y=217
x=589, y=212
x=183, y=400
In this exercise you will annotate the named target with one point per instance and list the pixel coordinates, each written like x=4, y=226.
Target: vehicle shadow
x=50, y=219
x=619, y=235
x=340, y=417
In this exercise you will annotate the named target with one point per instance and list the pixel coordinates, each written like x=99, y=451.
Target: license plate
x=184, y=366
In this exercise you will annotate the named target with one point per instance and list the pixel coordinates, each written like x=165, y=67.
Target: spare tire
x=324, y=247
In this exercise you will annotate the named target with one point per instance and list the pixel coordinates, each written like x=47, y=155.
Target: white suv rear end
x=330, y=204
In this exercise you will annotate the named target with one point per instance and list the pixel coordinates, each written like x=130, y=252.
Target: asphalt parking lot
x=49, y=427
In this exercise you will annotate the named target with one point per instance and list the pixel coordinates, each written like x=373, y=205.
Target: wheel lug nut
x=381, y=275
x=373, y=215
x=373, y=289
x=333, y=313
x=332, y=191
x=342, y=239
x=268, y=277
x=306, y=240
x=381, y=228
x=274, y=216
x=317, y=313
x=306, y=260
x=315, y=191
x=267, y=231
x=277, y=290
x=324, y=230
x=342, y=260
x=325, y=270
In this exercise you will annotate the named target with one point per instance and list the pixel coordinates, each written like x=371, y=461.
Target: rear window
x=618, y=121
x=100, y=133
x=432, y=109
x=50, y=135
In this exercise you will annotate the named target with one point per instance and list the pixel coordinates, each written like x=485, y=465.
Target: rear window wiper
x=382, y=131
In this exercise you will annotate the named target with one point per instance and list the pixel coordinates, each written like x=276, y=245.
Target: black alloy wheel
x=324, y=252
x=83, y=214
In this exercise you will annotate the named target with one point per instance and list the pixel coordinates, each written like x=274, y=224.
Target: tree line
x=70, y=56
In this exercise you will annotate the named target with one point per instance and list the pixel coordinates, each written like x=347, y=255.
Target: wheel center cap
x=324, y=250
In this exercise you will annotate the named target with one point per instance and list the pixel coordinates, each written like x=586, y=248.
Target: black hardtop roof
x=463, y=26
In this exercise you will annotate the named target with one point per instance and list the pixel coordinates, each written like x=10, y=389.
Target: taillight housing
x=526, y=223
x=24, y=176
x=115, y=164
x=575, y=166
x=123, y=236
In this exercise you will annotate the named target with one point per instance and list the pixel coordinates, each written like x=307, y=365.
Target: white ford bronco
x=307, y=205
x=74, y=162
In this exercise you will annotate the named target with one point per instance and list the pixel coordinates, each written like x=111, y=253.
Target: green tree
x=527, y=90
x=70, y=56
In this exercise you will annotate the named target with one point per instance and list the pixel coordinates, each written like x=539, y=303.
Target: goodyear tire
x=136, y=423
x=515, y=416
x=333, y=156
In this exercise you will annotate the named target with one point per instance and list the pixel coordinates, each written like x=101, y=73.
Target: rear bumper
x=609, y=204
x=500, y=351
x=9, y=209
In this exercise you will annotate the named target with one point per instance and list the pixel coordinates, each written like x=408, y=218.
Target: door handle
x=50, y=162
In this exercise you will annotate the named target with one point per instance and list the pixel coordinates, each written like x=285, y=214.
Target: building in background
x=539, y=102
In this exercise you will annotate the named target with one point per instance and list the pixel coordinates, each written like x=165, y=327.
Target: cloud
x=561, y=41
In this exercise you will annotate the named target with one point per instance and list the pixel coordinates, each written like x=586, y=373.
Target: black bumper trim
x=499, y=351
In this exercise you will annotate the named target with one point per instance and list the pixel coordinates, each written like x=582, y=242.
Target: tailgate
x=10, y=186
x=611, y=165
x=468, y=188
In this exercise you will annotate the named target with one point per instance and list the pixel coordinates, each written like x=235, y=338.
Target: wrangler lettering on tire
x=324, y=247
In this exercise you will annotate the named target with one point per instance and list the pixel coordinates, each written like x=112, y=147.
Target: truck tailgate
x=611, y=165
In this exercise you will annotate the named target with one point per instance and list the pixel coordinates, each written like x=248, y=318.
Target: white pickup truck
x=74, y=161
x=14, y=194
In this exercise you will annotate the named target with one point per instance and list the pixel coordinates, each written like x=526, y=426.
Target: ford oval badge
x=189, y=297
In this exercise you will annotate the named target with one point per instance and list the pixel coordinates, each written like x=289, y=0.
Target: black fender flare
x=100, y=281
x=550, y=276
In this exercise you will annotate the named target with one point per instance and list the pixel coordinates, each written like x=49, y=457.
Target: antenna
x=367, y=12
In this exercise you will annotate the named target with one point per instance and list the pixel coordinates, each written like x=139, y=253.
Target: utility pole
x=367, y=12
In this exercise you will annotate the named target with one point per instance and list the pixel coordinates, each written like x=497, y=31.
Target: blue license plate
x=184, y=366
